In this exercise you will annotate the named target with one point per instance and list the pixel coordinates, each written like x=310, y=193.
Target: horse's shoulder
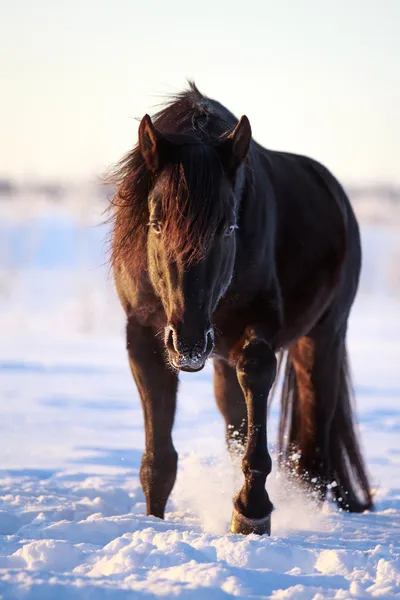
x=137, y=296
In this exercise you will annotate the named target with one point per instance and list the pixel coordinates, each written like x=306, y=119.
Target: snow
x=72, y=513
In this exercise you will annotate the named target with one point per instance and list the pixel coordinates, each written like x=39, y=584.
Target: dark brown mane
x=192, y=208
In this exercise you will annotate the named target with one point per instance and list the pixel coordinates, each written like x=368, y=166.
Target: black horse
x=224, y=249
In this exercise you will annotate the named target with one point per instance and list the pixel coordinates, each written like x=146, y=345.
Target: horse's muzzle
x=184, y=356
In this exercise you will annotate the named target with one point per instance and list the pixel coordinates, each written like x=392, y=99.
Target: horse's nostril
x=188, y=348
x=209, y=341
x=170, y=339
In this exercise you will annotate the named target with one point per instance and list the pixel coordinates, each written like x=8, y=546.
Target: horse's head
x=191, y=237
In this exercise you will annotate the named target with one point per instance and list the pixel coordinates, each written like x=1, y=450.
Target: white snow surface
x=72, y=513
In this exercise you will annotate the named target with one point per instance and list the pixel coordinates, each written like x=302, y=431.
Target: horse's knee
x=257, y=363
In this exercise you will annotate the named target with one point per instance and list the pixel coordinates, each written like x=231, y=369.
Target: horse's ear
x=150, y=141
x=234, y=148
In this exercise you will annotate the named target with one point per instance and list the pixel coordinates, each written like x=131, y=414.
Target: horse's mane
x=192, y=207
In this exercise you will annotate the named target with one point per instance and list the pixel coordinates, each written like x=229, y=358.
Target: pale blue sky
x=318, y=77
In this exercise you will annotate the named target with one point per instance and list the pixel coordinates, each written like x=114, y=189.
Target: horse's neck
x=257, y=227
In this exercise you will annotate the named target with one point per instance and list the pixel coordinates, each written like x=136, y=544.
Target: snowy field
x=72, y=513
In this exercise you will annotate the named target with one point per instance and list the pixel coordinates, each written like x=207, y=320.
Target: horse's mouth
x=188, y=368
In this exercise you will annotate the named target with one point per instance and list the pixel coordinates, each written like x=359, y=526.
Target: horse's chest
x=232, y=321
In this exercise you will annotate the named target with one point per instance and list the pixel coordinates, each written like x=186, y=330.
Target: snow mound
x=65, y=551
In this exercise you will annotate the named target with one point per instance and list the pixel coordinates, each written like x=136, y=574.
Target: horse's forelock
x=193, y=205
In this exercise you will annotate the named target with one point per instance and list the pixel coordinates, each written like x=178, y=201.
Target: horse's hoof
x=245, y=526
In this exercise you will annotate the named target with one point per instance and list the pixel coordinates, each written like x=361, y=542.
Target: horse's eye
x=156, y=226
x=229, y=230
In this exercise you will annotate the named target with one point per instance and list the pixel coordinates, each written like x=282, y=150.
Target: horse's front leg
x=256, y=371
x=157, y=385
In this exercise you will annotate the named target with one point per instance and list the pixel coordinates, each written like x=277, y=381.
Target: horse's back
x=307, y=189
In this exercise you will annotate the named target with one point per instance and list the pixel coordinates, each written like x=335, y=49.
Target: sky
x=315, y=77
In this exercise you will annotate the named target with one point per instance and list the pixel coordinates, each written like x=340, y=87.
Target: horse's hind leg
x=157, y=387
x=316, y=361
x=231, y=403
x=319, y=422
